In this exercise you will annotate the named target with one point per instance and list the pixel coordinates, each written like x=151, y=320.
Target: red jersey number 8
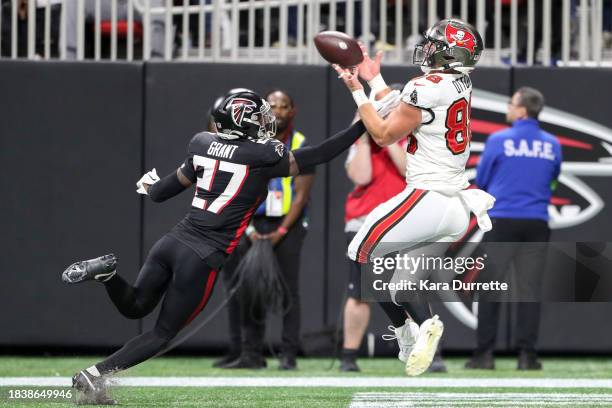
x=458, y=126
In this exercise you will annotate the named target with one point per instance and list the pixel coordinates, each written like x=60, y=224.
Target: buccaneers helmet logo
x=457, y=37
x=239, y=108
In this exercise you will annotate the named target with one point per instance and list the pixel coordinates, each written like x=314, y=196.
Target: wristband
x=282, y=230
x=377, y=84
x=250, y=229
x=360, y=97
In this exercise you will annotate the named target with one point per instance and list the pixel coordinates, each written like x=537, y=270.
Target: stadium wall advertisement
x=76, y=137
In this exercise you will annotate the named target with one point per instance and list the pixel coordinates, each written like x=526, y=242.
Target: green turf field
x=563, y=382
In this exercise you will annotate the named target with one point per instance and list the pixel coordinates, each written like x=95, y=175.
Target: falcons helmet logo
x=239, y=108
x=459, y=38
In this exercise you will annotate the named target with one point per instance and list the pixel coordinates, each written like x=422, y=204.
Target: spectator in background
x=55, y=9
x=555, y=34
x=158, y=24
x=378, y=174
x=519, y=166
x=282, y=219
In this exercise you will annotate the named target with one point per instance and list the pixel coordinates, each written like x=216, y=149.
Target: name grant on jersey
x=538, y=149
x=462, y=83
x=221, y=150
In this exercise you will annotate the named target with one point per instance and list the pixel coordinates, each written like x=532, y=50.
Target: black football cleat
x=99, y=269
x=92, y=389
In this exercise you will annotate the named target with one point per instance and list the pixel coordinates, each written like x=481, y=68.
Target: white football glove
x=149, y=178
x=387, y=104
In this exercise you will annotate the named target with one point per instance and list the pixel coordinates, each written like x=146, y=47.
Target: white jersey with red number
x=439, y=148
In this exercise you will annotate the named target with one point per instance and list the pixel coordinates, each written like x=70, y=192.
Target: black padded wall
x=71, y=138
x=74, y=139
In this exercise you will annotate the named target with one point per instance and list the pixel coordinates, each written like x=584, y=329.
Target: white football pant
x=412, y=217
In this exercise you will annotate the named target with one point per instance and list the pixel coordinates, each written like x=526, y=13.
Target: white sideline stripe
x=358, y=382
x=447, y=399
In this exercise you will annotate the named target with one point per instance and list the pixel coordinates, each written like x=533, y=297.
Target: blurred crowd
x=192, y=40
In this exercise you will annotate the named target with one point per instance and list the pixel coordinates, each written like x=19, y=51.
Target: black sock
x=349, y=354
x=396, y=313
x=419, y=312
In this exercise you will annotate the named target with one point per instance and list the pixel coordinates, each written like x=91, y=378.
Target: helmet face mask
x=449, y=44
x=244, y=114
x=267, y=122
x=423, y=52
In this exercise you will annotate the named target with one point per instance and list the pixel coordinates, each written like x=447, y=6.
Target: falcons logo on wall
x=587, y=151
x=240, y=107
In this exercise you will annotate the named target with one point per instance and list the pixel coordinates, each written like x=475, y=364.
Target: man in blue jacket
x=519, y=167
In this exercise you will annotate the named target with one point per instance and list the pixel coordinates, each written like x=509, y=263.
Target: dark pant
x=247, y=326
x=173, y=269
x=529, y=262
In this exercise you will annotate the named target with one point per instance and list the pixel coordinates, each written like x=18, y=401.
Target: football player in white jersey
x=434, y=110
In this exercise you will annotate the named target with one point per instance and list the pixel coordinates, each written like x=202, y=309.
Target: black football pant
x=173, y=269
x=247, y=325
x=529, y=263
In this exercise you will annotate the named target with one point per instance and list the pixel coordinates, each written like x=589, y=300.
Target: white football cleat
x=426, y=345
x=406, y=337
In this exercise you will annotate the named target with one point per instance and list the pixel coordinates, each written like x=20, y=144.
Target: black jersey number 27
x=205, y=182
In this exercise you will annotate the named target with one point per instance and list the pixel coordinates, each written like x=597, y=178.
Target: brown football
x=338, y=48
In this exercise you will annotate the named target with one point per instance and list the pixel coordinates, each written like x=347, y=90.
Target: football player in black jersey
x=230, y=169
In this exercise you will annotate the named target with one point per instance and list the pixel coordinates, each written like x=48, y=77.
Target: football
x=338, y=48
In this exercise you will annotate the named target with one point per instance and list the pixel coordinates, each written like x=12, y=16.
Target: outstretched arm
x=325, y=151
x=401, y=122
x=330, y=148
x=169, y=186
